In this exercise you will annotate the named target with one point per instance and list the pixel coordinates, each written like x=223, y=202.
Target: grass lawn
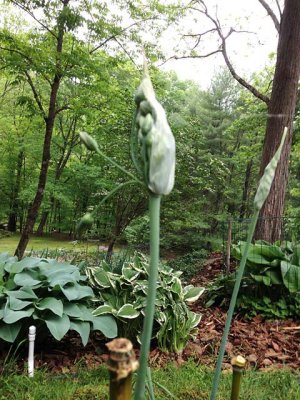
x=9, y=244
x=188, y=382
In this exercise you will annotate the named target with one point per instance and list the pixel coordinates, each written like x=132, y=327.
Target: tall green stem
x=232, y=306
x=154, y=208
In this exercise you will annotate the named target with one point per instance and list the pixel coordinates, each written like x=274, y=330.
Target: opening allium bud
x=85, y=223
x=88, y=141
x=155, y=135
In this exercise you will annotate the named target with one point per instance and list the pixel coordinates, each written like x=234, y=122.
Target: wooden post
x=238, y=365
x=121, y=364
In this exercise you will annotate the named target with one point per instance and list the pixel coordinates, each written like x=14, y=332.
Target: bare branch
x=63, y=108
x=18, y=4
x=125, y=51
x=271, y=14
x=279, y=8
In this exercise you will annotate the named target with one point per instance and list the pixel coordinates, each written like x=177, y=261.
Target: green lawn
x=189, y=382
x=9, y=244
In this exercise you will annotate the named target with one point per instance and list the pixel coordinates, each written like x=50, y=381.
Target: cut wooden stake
x=121, y=364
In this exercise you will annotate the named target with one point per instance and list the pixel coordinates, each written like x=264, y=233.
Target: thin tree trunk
x=281, y=111
x=246, y=189
x=49, y=121
x=13, y=214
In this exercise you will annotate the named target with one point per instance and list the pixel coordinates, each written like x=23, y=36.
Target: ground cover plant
x=121, y=285
x=47, y=293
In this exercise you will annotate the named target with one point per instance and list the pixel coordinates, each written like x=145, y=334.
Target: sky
x=249, y=52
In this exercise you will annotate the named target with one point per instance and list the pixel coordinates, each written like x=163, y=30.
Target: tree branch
x=18, y=4
x=271, y=14
x=36, y=95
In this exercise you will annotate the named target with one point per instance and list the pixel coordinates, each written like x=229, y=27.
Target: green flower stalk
x=263, y=190
x=158, y=165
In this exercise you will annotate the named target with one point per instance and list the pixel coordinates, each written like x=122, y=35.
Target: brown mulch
x=265, y=344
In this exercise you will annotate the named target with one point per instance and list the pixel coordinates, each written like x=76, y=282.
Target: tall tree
x=281, y=103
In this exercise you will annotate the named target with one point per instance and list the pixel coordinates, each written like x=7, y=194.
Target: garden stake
x=121, y=364
x=260, y=197
x=238, y=365
x=31, y=338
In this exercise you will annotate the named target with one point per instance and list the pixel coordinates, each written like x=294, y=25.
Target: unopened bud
x=88, y=141
x=85, y=223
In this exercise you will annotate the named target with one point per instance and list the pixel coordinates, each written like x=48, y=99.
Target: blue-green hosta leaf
x=77, y=292
x=58, y=326
x=72, y=310
x=17, y=267
x=63, y=278
x=104, y=309
x=27, y=278
x=128, y=311
x=11, y=316
x=86, y=313
x=9, y=332
x=130, y=274
x=83, y=328
x=291, y=276
x=16, y=304
x=25, y=293
x=52, y=304
x=106, y=324
x=191, y=293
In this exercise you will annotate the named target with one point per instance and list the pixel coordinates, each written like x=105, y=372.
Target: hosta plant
x=272, y=264
x=122, y=290
x=48, y=294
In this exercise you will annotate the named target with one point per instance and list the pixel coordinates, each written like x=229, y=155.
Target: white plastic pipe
x=31, y=337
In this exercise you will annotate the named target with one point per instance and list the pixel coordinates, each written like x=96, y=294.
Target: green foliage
x=49, y=294
x=272, y=264
x=122, y=289
x=190, y=263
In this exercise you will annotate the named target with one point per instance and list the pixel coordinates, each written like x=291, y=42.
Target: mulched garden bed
x=265, y=344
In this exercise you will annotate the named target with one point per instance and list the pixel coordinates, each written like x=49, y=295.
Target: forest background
x=75, y=68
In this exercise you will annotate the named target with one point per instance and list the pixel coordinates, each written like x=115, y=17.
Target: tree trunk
x=281, y=109
x=246, y=189
x=40, y=229
x=13, y=213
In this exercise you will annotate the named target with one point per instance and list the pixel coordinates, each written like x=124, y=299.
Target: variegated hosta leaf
x=128, y=311
x=192, y=293
x=104, y=309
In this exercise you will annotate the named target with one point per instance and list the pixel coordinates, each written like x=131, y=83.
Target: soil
x=265, y=344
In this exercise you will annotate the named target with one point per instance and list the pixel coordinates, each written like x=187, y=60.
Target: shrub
x=51, y=295
x=122, y=289
x=189, y=263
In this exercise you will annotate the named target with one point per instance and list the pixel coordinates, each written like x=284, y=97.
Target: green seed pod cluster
x=88, y=141
x=85, y=223
x=266, y=180
x=156, y=140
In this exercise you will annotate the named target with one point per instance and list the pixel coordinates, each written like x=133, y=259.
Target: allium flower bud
x=156, y=138
x=88, y=141
x=85, y=223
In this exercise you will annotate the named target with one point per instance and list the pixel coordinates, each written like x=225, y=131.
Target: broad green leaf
x=77, y=292
x=72, y=310
x=102, y=279
x=86, y=313
x=17, y=267
x=58, y=326
x=52, y=304
x=128, y=311
x=27, y=278
x=105, y=309
x=176, y=286
x=23, y=293
x=191, y=293
x=83, y=328
x=9, y=332
x=129, y=274
x=291, y=276
x=11, y=316
x=16, y=304
x=107, y=325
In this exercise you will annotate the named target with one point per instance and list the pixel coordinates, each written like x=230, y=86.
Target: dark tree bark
x=49, y=125
x=281, y=109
